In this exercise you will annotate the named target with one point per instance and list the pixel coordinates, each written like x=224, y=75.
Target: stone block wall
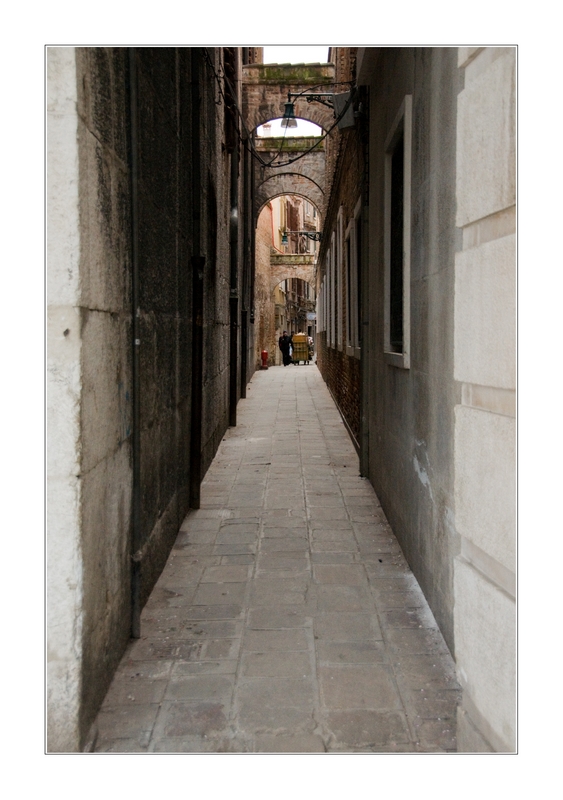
x=485, y=425
x=215, y=245
x=90, y=342
x=64, y=375
x=106, y=379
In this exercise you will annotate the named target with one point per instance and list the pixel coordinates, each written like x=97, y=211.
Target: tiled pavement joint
x=286, y=619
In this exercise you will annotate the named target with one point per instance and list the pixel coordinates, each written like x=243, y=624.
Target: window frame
x=351, y=252
x=340, y=277
x=401, y=128
x=333, y=283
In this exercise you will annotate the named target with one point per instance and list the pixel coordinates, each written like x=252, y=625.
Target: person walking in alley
x=285, y=347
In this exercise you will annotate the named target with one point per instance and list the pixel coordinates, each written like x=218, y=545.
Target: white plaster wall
x=64, y=579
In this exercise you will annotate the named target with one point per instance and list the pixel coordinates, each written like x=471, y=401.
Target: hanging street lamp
x=288, y=119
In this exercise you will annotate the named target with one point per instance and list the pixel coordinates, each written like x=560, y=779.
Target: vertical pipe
x=197, y=267
x=234, y=298
x=363, y=245
x=136, y=360
x=252, y=226
x=245, y=278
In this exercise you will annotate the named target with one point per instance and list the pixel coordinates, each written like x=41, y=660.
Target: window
x=331, y=284
x=333, y=291
x=352, y=266
x=325, y=307
x=340, y=276
x=398, y=155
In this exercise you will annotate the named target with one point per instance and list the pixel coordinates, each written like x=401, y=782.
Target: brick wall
x=342, y=376
x=345, y=162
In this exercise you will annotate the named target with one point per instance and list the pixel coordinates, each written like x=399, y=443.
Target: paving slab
x=286, y=619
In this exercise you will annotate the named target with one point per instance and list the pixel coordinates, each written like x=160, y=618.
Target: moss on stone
x=290, y=144
x=294, y=73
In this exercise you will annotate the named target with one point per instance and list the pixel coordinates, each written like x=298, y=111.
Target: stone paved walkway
x=286, y=619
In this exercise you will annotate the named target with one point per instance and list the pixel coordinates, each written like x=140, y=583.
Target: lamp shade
x=288, y=119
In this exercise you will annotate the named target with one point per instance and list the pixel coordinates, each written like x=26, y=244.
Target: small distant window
x=353, y=276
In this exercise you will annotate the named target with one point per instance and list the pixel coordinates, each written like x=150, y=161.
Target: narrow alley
x=286, y=618
x=243, y=557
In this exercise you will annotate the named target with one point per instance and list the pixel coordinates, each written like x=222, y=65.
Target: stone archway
x=300, y=170
x=272, y=268
x=265, y=89
x=305, y=175
x=285, y=266
x=289, y=184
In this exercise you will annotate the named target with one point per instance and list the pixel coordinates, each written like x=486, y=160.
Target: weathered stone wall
x=90, y=341
x=215, y=209
x=64, y=376
x=106, y=386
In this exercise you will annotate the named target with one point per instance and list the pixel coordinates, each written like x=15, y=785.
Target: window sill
x=353, y=352
x=400, y=360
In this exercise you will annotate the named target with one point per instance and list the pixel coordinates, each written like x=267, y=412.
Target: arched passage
x=293, y=270
x=293, y=303
x=293, y=194
x=266, y=86
x=289, y=184
x=303, y=173
x=289, y=267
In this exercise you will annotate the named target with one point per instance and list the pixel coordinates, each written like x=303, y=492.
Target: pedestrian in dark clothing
x=285, y=347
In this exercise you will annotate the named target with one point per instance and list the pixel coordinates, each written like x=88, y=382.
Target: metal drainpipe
x=197, y=266
x=364, y=294
x=252, y=226
x=245, y=281
x=233, y=303
x=136, y=357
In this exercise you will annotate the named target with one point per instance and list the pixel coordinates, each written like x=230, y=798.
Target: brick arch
x=292, y=266
x=265, y=89
x=289, y=183
x=307, y=156
x=293, y=194
x=272, y=106
x=323, y=116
